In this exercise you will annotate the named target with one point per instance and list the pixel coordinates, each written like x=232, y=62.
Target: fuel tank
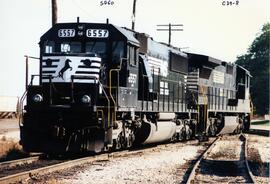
x=155, y=132
x=160, y=131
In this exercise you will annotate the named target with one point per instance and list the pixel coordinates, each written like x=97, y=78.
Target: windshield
x=50, y=47
x=98, y=48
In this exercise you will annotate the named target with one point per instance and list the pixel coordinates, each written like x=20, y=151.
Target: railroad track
x=25, y=175
x=201, y=163
x=34, y=173
x=10, y=168
x=17, y=162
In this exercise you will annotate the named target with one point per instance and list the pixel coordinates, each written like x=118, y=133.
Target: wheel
x=130, y=140
x=188, y=133
x=181, y=136
x=212, y=130
x=117, y=143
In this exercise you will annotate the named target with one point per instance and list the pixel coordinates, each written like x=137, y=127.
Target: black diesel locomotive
x=103, y=87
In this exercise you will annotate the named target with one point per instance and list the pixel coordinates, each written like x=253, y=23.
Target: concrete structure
x=8, y=106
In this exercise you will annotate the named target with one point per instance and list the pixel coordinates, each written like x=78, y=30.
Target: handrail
x=73, y=77
x=21, y=105
x=205, y=110
x=110, y=82
x=100, y=85
x=206, y=103
x=24, y=97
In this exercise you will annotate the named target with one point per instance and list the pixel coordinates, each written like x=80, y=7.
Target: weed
x=255, y=160
x=10, y=150
x=3, y=138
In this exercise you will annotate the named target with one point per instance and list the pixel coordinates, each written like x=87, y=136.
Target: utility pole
x=170, y=29
x=54, y=12
x=133, y=14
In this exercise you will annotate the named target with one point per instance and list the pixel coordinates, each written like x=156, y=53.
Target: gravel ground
x=259, y=157
x=9, y=128
x=9, y=140
x=9, y=124
x=165, y=165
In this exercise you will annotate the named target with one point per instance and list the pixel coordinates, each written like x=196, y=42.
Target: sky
x=209, y=27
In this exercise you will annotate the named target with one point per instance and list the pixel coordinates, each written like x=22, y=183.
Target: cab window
x=49, y=47
x=117, y=51
x=132, y=52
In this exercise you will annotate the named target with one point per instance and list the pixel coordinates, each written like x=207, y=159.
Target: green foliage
x=257, y=62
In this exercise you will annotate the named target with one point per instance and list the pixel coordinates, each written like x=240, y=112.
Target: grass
x=262, y=122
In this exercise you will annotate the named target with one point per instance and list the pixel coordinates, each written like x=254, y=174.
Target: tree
x=257, y=62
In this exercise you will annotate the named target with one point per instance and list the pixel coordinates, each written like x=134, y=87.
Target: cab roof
x=115, y=32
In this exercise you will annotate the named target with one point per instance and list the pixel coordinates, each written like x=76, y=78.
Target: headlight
x=86, y=99
x=38, y=98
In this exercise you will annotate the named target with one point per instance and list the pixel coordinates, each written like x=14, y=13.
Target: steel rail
x=191, y=177
x=206, y=152
x=250, y=175
x=19, y=177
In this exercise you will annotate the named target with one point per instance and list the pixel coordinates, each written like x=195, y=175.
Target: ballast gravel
x=167, y=164
x=155, y=167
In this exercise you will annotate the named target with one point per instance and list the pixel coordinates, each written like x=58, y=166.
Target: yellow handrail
x=201, y=88
x=110, y=83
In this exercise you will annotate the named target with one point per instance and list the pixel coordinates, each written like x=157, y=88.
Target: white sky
x=223, y=32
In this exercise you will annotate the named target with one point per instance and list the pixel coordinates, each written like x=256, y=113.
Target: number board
x=97, y=33
x=66, y=32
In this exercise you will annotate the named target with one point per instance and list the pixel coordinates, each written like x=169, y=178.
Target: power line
x=84, y=10
x=176, y=27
